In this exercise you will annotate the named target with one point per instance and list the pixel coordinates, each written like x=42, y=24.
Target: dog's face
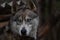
x=25, y=22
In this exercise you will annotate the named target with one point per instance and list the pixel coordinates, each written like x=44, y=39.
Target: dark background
x=50, y=15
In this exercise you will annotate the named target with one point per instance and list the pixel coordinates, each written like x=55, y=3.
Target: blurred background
x=49, y=12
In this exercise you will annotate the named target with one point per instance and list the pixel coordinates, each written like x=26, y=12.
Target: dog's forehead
x=26, y=13
x=31, y=14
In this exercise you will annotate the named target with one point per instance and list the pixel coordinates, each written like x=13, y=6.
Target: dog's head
x=25, y=21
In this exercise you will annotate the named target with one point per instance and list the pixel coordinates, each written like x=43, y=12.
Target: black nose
x=23, y=31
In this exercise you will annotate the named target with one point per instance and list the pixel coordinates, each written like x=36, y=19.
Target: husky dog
x=25, y=22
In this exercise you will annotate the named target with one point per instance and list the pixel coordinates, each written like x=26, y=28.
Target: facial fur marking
x=29, y=22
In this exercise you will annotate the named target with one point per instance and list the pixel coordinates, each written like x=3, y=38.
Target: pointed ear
x=32, y=5
x=14, y=6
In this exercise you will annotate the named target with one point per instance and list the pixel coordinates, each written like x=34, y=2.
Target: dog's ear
x=32, y=5
x=15, y=6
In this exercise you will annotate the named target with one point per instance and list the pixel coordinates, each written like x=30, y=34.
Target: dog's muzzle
x=23, y=31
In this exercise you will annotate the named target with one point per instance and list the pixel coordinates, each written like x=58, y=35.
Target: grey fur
x=31, y=26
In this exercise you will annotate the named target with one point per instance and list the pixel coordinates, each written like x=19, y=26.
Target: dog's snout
x=23, y=31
